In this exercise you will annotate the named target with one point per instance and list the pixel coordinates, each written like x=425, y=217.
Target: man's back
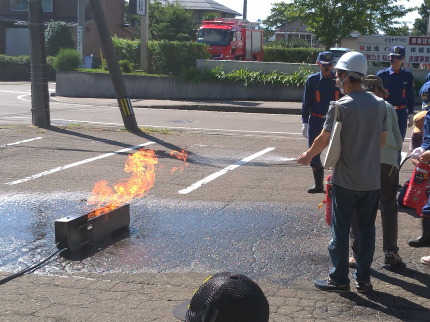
x=363, y=117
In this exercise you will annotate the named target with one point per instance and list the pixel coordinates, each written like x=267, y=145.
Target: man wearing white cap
x=356, y=175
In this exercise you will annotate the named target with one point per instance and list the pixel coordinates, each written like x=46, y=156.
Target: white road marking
x=75, y=164
x=182, y=127
x=23, y=141
x=14, y=92
x=217, y=174
x=24, y=94
x=21, y=97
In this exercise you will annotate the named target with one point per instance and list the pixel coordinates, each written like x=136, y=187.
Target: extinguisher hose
x=403, y=162
x=34, y=266
x=321, y=166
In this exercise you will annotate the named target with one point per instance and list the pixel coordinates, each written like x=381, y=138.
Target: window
x=213, y=37
x=22, y=5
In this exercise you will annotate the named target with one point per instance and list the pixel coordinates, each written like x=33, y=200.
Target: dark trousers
x=389, y=211
x=402, y=118
x=346, y=203
x=315, y=127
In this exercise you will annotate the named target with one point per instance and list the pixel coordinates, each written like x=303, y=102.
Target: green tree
x=420, y=24
x=167, y=22
x=402, y=30
x=176, y=23
x=333, y=20
x=57, y=36
x=280, y=14
x=209, y=16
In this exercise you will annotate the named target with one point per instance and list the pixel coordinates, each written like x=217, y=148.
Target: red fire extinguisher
x=327, y=201
x=417, y=193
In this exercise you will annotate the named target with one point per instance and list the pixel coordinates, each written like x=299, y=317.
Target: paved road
x=182, y=114
x=253, y=218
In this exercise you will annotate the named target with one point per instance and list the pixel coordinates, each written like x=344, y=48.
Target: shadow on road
x=393, y=305
x=414, y=288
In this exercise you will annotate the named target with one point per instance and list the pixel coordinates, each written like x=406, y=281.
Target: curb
x=226, y=108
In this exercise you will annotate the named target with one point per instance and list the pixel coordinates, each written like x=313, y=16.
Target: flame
x=180, y=156
x=141, y=165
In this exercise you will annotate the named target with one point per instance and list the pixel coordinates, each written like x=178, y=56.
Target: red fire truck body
x=232, y=39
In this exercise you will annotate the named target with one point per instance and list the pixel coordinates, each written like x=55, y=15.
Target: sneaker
x=392, y=258
x=330, y=286
x=352, y=262
x=362, y=287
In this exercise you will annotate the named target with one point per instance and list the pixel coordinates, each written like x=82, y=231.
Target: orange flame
x=142, y=167
x=180, y=156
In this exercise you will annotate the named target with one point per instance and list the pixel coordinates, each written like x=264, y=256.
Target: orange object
x=328, y=200
x=317, y=96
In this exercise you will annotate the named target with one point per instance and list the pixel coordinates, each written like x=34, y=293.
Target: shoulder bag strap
x=336, y=112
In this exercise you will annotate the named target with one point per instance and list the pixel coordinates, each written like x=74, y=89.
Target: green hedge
x=18, y=68
x=127, y=49
x=173, y=57
x=67, y=59
x=291, y=55
x=165, y=57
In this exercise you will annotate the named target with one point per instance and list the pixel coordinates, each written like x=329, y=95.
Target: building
x=15, y=36
x=200, y=8
x=294, y=30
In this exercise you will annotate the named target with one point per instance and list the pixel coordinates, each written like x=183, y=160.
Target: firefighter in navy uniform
x=320, y=89
x=399, y=84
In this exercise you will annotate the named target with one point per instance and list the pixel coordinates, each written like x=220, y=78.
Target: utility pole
x=245, y=9
x=122, y=96
x=428, y=25
x=143, y=10
x=39, y=79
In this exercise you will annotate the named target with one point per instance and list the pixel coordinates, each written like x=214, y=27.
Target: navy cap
x=425, y=97
x=325, y=57
x=225, y=297
x=398, y=51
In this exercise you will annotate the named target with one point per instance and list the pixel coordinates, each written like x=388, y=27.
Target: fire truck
x=232, y=39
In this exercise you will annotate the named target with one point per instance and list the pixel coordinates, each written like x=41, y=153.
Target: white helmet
x=353, y=62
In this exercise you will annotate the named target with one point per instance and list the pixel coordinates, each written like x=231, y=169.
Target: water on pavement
x=271, y=240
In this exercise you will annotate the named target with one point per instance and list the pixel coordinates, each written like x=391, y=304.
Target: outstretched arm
x=320, y=143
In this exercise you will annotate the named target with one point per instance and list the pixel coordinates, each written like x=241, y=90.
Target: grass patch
x=152, y=130
x=104, y=71
x=70, y=125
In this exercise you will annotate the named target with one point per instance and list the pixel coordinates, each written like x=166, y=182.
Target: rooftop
x=207, y=5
